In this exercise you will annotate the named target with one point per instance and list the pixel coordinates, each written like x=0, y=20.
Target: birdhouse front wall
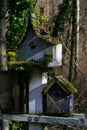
x=33, y=48
x=64, y=105
x=36, y=86
x=40, y=55
x=54, y=106
x=57, y=100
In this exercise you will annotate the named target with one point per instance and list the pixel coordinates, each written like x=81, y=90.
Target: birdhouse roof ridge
x=63, y=83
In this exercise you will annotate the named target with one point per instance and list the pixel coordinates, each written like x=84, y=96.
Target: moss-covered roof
x=47, y=33
x=23, y=65
x=63, y=83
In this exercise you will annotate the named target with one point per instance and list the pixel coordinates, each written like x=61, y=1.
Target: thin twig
x=74, y=60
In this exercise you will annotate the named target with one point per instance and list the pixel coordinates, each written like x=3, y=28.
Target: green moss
x=64, y=16
x=23, y=65
x=18, y=16
x=48, y=54
x=40, y=24
x=50, y=39
x=48, y=57
x=62, y=83
x=68, y=85
x=11, y=56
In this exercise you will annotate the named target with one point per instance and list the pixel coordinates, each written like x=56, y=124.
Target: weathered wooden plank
x=5, y=125
x=79, y=115
x=73, y=121
x=85, y=122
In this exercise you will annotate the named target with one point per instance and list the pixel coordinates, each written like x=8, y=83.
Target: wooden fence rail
x=75, y=120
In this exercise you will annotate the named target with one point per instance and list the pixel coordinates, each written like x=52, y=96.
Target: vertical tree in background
x=77, y=29
x=74, y=40
x=3, y=59
x=66, y=26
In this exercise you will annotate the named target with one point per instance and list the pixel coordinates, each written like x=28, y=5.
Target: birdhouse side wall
x=37, y=83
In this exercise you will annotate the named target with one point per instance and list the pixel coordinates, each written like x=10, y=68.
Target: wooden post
x=37, y=83
x=5, y=124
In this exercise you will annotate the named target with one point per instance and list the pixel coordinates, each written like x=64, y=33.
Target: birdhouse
x=58, y=97
x=35, y=48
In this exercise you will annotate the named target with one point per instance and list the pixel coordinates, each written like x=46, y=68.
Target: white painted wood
x=79, y=115
x=32, y=106
x=57, y=56
x=36, y=79
x=35, y=93
x=37, y=83
x=35, y=126
x=40, y=54
x=73, y=121
x=44, y=77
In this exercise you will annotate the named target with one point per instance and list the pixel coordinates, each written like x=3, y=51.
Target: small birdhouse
x=58, y=97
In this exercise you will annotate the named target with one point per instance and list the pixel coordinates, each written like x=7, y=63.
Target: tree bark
x=73, y=43
x=3, y=57
x=77, y=31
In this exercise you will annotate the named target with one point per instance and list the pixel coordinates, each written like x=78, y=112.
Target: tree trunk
x=77, y=31
x=73, y=43
x=3, y=58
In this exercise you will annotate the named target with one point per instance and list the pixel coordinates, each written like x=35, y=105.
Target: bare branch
x=74, y=59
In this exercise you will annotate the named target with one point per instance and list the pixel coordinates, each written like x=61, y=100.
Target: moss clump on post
x=11, y=56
